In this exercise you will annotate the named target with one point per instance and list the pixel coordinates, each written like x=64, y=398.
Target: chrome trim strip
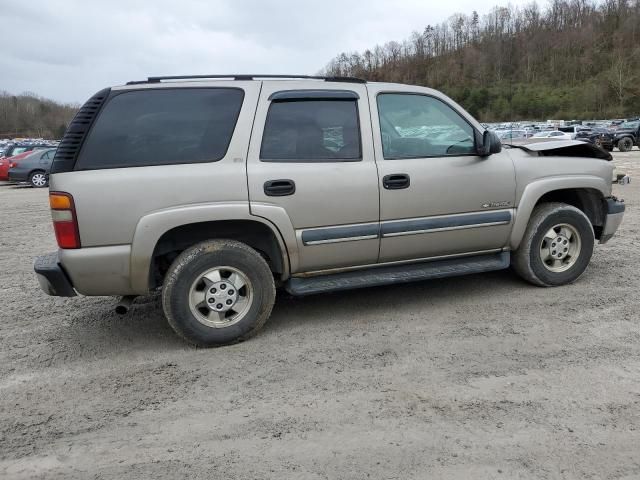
x=411, y=226
x=438, y=222
x=341, y=233
x=444, y=229
x=340, y=240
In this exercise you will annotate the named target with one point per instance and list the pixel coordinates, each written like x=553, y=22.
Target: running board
x=397, y=274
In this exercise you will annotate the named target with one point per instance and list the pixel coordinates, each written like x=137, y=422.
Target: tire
x=183, y=292
x=38, y=179
x=527, y=260
x=625, y=144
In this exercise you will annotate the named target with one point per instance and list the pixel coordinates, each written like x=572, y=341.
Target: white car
x=555, y=134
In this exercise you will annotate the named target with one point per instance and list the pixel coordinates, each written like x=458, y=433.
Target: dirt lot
x=474, y=377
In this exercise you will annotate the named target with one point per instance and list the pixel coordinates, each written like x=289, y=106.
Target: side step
x=397, y=274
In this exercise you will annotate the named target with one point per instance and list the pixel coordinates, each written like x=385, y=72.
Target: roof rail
x=247, y=77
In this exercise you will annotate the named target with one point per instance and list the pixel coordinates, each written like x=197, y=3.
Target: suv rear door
x=311, y=155
x=437, y=196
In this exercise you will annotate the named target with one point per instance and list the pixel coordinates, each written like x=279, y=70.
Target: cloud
x=68, y=49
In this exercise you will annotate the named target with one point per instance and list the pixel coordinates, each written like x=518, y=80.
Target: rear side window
x=160, y=127
x=311, y=130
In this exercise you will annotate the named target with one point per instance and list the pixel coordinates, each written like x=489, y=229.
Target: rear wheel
x=218, y=292
x=38, y=179
x=625, y=144
x=556, y=247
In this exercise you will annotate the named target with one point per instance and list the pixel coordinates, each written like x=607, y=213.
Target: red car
x=5, y=164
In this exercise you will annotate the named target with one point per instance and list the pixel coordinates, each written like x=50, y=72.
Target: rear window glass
x=311, y=130
x=160, y=127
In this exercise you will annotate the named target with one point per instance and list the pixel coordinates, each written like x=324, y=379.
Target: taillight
x=12, y=165
x=65, y=223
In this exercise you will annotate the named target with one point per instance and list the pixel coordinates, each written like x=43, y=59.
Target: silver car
x=219, y=190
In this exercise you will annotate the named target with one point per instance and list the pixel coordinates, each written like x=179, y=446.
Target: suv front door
x=311, y=156
x=437, y=196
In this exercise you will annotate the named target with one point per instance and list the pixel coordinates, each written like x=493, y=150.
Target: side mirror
x=490, y=144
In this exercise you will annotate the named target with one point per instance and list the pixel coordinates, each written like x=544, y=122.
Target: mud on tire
x=625, y=144
x=528, y=262
x=217, y=256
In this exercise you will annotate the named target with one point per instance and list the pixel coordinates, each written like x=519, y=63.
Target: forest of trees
x=569, y=59
x=28, y=115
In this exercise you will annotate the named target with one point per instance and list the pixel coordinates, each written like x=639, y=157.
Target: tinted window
x=421, y=126
x=311, y=130
x=164, y=126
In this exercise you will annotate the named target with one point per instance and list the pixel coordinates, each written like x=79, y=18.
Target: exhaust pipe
x=124, y=305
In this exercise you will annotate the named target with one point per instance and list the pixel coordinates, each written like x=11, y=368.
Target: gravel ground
x=474, y=377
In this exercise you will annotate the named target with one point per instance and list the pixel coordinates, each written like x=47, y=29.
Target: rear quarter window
x=161, y=127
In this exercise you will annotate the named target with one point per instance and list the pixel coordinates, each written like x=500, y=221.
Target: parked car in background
x=572, y=130
x=554, y=134
x=627, y=135
x=600, y=136
x=5, y=163
x=18, y=148
x=34, y=168
x=512, y=135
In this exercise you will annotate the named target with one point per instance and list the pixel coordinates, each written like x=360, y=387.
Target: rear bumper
x=52, y=278
x=615, y=212
x=17, y=176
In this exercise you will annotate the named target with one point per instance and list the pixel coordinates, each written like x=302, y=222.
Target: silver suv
x=218, y=190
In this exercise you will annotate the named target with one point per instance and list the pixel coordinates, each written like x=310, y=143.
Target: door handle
x=396, y=181
x=279, y=188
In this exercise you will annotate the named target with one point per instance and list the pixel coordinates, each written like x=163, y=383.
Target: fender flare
x=155, y=224
x=534, y=191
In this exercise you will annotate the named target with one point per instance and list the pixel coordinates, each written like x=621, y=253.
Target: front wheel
x=218, y=292
x=556, y=247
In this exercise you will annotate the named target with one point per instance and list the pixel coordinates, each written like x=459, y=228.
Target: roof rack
x=247, y=77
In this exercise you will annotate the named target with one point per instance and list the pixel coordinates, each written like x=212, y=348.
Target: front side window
x=162, y=126
x=414, y=126
x=311, y=130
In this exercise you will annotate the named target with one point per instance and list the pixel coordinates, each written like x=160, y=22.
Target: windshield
x=631, y=125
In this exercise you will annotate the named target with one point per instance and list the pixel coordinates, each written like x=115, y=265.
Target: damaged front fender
x=565, y=148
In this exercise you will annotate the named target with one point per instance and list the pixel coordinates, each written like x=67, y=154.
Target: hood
x=564, y=148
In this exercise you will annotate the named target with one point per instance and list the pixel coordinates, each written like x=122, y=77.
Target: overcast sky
x=69, y=49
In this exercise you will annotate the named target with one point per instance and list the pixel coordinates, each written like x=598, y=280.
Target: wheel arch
x=585, y=193
x=162, y=235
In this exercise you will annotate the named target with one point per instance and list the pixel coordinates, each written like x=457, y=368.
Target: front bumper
x=615, y=212
x=52, y=278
